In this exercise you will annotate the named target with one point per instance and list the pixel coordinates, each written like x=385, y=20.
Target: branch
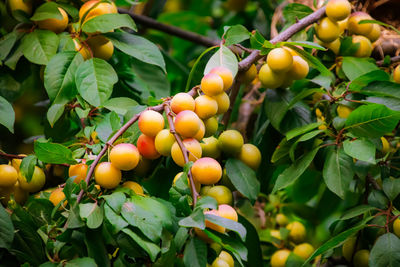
x=392, y=60
x=10, y=156
x=232, y=97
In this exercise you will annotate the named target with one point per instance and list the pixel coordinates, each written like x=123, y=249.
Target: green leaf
x=195, y=254
x=243, y=178
x=54, y=113
x=96, y=247
x=301, y=130
x=372, y=77
x=361, y=149
x=108, y=22
x=53, y=153
x=303, y=138
x=372, y=120
x=40, y=46
x=305, y=44
x=7, y=115
x=355, y=67
x=236, y=34
x=92, y=213
x=117, y=223
x=120, y=105
x=338, y=172
x=367, y=21
x=13, y=59
x=223, y=57
x=6, y=229
x=151, y=248
x=137, y=47
x=291, y=174
x=252, y=243
x=382, y=88
x=295, y=11
x=94, y=80
x=205, y=202
x=385, y=252
x=80, y=262
x=228, y=224
x=110, y=123
x=391, y=187
x=27, y=167
x=356, y=211
x=196, y=219
x=115, y=201
x=7, y=42
x=48, y=10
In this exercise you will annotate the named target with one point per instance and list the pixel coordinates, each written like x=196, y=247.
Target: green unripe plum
x=338, y=9
x=225, y=74
x=204, y=189
x=348, y=248
x=359, y=29
x=164, y=141
x=212, y=84
x=210, y=148
x=279, y=60
x=281, y=219
x=230, y=142
x=227, y=258
x=187, y=123
x=221, y=193
x=151, y=122
x=223, y=102
x=361, y=258
x=218, y=262
x=211, y=125
x=269, y=78
x=299, y=69
x=250, y=155
x=206, y=107
x=327, y=30
x=365, y=49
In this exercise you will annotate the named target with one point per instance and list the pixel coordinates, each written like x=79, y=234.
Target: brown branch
x=10, y=156
x=232, y=97
x=392, y=60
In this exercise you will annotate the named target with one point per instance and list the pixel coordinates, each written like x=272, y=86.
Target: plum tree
x=124, y=156
x=151, y=123
x=53, y=24
x=147, y=148
x=206, y=171
x=206, y=107
x=8, y=175
x=187, y=123
x=230, y=142
x=338, y=9
x=181, y=102
x=107, y=175
x=164, y=141
x=192, y=145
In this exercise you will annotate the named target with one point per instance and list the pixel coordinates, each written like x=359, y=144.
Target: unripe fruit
x=279, y=60
x=299, y=68
x=100, y=8
x=385, y=145
x=334, y=46
x=361, y=258
x=200, y=133
x=206, y=106
x=361, y=29
x=212, y=84
x=221, y=193
x=227, y=258
x=250, y=74
x=250, y=155
x=338, y=9
x=204, y=189
x=124, y=156
x=281, y=219
x=107, y=175
x=348, y=248
x=78, y=171
x=327, y=30
x=101, y=47
x=269, y=78
x=143, y=167
x=135, y=187
x=375, y=33
x=181, y=102
x=82, y=49
x=230, y=142
x=8, y=175
x=276, y=234
x=218, y=262
x=223, y=102
x=55, y=25
x=297, y=231
x=20, y=196
x=206, y=171
x=279, y=258
x=37, y=182
x=343, y=111
x=210, y=148
x=25, y=6
x=227, y=212
x=151, y=122
x=192, y=145
x=225, y=74
x=164, y=141
x=303, y=250
x=187, y=123
x=396, y=74
x=396, y=227
x=57, y=196
x=365, y=49
x=145, y=145
x=211, y=125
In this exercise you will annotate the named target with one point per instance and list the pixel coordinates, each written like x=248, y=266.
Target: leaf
x=92, y=213
x=382, y=88
x=48, y=10
x=373, y=77
x=96, y=247
x=356, y=211
x=80, y=262
x=367, y=21
x=117, y=223
x=301, y=130
x=385, y=252
x=355, y=67
x=54, y=113
x=196, y=219
x=303, y=138
x=108, y=22
x=206, y=202
x=120, y=105
x=295, y=11
x=338, y=172
x=7, y=42
x=7, y=115
x=252, y=243
x=195, y=254
x=306, y=44
x=151, y=248
x=291, y=174
x=243, y=178
x=40, y=46
x=372, y=120
x=6, y=229
x=53, y=153
x=223, y=57
x=137, y=47
x=110, y=123
x=361, y=149
x=94, y=80
x=228, y=224
x=236, y=34
x=27, y=167
x=391, y=187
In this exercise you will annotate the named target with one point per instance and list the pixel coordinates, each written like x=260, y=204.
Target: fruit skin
x=151, y=122
x=297, y=231
x=145, y=145
x=107, y=175
x=187, y=123
x=210, y=148
x=396, y=74
x=57, y=196
x=279, y=60
x=221, y=193
x=82, y=49
x=218, y=262
x=100, y=9
x=385, y=145
x=303, y=250
x=227, y=258
x=343, y=111
x=17, y=162
x=375, y=33
x=225, y=74
x=135, y=187
x=181, y=102
x=206, y=106
x=281, y=219
x=8, y=175
x=164, y=141
x=279, y=258
x=206, y=171
x=78, y=170
x=348, y=248
x=200, y=133
x=20, y=196
x=334, y=46
x=192, y=145
x=365, y=49
x=37, y=182
x=101, y=47
x=212, y=84
x=269, y=78
x=396, y=227
x=25, y=6
x=338, y=9
x=223, y=102
x=124, y=156
x=327, y=30
x=212, y=225
x=55, y=25
x=227, y=212
x=211, y=125
x=230, y=142
x=250, y=74
x=361, y=258
x=361, y=29
x=299, y=68
x=250, y=155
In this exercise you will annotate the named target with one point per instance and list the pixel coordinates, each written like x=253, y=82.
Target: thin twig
x=10, y=156
x=392, y=60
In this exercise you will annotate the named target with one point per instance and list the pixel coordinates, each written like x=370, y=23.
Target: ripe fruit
x=225, y=74
x=250, y=74
x=135, y=187
x=327, y=30
x=55, y=25
x=396, y=227
x=187, y=123
x=279, y=60
x=200, y=133
x=281, y=219
x=221, y=193
x=227, y=212
x=250, y=155
x=101, y=47
x=299, y=68
x=230, y=142
x=206, y=171
x=164, y=141
x=375, y=33
x=225, y=256
x=365, y=48
x=385, y=145
x=212, y=84
x=206, y=106
x=192, y=145
x=303, y=250
x=211, y=125
x=124, y=156
x=145, y=145
x=20, y=196
x=348, y=248
x=82, y=49
x=99, y=8
x=78, y=171
x=218, y=262
x=396, y=74
x=210, y=148
x=269, y=78
x=361, y=29
x=25, y=6
x=361, y=258
x=181, y=102
x=276, y=234
x=223, y=102
x=297, y=231
x=57, y=196
x=36, y=183
x=279, y=258
x=8, y=175
x=334, y=46
x=338, y=9
x=107, y=175
x=17, y=162
x=343, y=111
x=151, y=122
